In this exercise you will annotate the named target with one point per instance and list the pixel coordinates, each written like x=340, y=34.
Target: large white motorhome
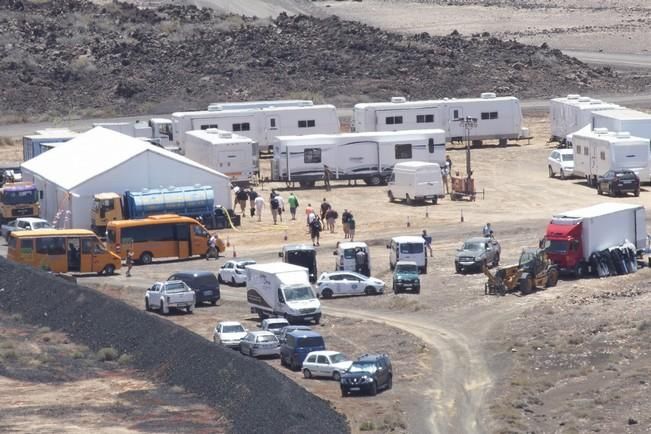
x=259, y=124
x=260, y=104
x=573, y=112
x=497, y=117
x=233, y=155
x=598, y=151
x=367, y=156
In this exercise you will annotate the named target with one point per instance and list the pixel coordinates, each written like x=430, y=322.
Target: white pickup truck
x=170, y=294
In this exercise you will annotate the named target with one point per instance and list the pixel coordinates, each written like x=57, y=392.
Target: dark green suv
x=406, y=277
x=368, y=374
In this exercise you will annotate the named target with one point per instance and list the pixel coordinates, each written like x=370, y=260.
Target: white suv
x=561, y=162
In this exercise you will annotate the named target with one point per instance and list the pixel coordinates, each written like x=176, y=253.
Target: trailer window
x=455, y=114
x=245, y=126
x=424, y=119
x=391, y=120
x=585, y=151
x=272, y=123
x=578, y=150
x=602, y=155
x=488, y=115
x=312, y=155
x=307, y=124
x=205, y=127
x=403, y=152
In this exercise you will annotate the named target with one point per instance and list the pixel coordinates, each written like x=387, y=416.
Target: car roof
x=262, y=333
x=406, y=263
x=193, y=273
x=372, y=357
x=171, y=281
x=323, y=353
x=408, y=239
x=239, y=261
x=297, y=327
x=228, y=323
x=352, y=245
x=336, y=273
x=304, y=334
x=273, y=320
x=31, y=219
x=477, y=240
x=298, y=247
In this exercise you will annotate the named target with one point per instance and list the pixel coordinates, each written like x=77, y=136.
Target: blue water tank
x=192, y=201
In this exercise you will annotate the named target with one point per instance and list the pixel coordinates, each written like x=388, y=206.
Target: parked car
x=477, y=252
x=368, y=374
x=164, y=296
x=260, y=343
x=24, y=224
x=274, y=325
x=233, y=272
x=561, y=162
x=347, y=283
x=618, y=182
x=298, y=345
x=282, y=337
x=330, y=364
x=229, y=334
x=406, y=277
x=203, y=283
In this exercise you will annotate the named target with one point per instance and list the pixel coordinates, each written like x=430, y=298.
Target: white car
x=260, y=343
x=229, y=334
x=164, y=296
x=347, y=283
x=329, y=364
x=24, y=224
x=274, y=325
x=233, y=272
x=561, y=162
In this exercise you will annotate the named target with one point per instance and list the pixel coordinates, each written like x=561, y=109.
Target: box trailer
x=572, y=237
x=44, y=140
x=416, y=181
x=233, y=155
x=259, y=124
x=280, y=289
x=573, y=112
x=366, y=156
x=498, y=118
x=635, y=122
x=598, y=151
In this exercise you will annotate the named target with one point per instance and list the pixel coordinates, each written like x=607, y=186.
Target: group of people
x=257, y=203
x=325, y=217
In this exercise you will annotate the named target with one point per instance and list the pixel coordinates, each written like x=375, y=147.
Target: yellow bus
x=158, y=236
x=61, y=251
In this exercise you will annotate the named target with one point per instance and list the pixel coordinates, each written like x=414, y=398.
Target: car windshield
x=21, y=196
x=266, y=338
x=243, y=264
x=337, y=358
x=557, y=246
x=411, y=248
x=276, y=325
x=473, y=245
x=624, y=174
x=175, y=287
x=298, y=293
x=568, y=157
x=407, y=268
x=233, y=329
x=363, y=367
x=349, y=253
x=41, y=225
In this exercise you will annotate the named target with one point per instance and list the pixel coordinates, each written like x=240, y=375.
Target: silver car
x=229, y=334
x=347, y=283
x=260, y=343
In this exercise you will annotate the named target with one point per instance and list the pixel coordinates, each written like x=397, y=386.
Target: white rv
x=497, y=117
x=44, y=140
x=635, y=122
x=416, y=181
x=259, y=124
x=366, y=156
x=573, y=112
x=231, y=154
x=157, y=131
x=598, y=151
x=260, y=104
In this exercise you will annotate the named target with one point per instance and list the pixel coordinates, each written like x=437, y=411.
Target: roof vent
x=596, y=101
x=212, y=131
x=225, y=135
x=573, y=96
x=584, y=99
x=601, y=130
x=215, y=107
x=623, y=135
x=488, y=95
x=398, y=99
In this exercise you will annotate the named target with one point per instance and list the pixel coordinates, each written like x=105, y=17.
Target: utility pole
x=468, y=123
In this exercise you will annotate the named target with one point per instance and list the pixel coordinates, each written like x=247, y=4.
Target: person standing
x=487, y=231
x=448, y=164
x=351, y=227
x=344, y=222
x=325, y=206
x=281, y=206
x=428, y=243
x=331, y=218
x=252, y=196
x=212, y=248
x=361, y=262
x=259, y=206
x=292, y=201
x=129, y=262
x=315, y=230
x=236, y=190
x=308, y=210
x=274, y=205
x=326, y=176
x=242, y=197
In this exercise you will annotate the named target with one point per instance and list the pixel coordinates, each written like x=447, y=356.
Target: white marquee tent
x=101, y=160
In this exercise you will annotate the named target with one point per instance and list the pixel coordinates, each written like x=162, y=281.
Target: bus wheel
x=146, y=258
x=108, y=270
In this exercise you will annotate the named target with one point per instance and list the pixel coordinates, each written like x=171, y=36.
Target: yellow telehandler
x=533, y=270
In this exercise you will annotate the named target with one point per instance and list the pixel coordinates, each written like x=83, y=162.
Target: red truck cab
x=563, y=245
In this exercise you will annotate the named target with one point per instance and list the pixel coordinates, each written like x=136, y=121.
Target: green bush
x=107, y=354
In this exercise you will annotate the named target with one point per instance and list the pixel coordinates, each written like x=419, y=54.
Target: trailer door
x=455, y=130
x=271, y=130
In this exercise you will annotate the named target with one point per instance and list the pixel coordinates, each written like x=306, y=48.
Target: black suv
x=617, y=182
x=368, y=374
x=204, y=284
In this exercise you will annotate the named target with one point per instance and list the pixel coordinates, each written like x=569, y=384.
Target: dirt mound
x=253, y=395
x=71, y=57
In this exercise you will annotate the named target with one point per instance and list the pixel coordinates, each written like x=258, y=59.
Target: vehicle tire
x=525, y=285
x=496, y=260
x=562, y=174
x=233, y=283
x=551, y=172
x=369, y=290
x=109, y=270
x=189, y=309
x=219, y=278
x=417, y=291
x=599, y=191
x=552, y=277
x=162, y=308
x=458, y=268
x=282, y=361
x=306, y=184
x=317, y=320
x=409, y=201
x=147, y=307
x=213, y=302
x=579, y=271
x=637, y=192
x=344, y=393
x=242, y=350
x=390, y=383
x=251, y=352
x=146, y=258
x=336, y=376
x=435, y=200
x=294, y=366
x=307, y=374
x=503, y=142
x=395, y=289
x=374, y=180
x=373, y=390
x=326, y=293
x=391, y=197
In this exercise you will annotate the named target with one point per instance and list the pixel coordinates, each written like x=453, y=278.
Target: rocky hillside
x=72, y=57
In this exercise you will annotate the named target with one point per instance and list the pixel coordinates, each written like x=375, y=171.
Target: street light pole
x=468, y=123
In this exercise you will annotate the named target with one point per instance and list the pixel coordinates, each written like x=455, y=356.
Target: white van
x=408, y=248
x=347, y=259
x=416, y=181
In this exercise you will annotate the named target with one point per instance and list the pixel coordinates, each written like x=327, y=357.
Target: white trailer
x=259, y=124
x=573, y=112
x=598, y=151
x=416, y=181
x=157, y=131
x=280, y=289
x=260, y=104
x=367, y=156
x=44, y=140
x=497, y=117
x=635, y=122
x=233, y=155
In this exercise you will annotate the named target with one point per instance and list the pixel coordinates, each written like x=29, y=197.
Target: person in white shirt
x=259, y=206
x=281, y=206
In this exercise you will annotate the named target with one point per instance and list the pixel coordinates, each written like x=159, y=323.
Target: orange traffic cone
x=461, y=216
x=228, y=242
x=234, y=252
x=285, y=236
x=408, y=222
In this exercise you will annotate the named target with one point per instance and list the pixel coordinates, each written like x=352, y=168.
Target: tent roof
x=95, y=152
